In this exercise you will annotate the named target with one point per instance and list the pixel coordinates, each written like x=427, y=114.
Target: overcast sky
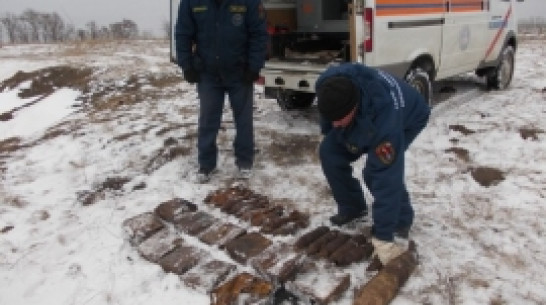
x=148, y=14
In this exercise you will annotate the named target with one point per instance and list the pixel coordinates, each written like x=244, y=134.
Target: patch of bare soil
x=461, y=153
x=487, y=176
x=6, y=116
x=6, y=229
x=171, y=150
x=462, y=129
x=111, y=94
x=98, y=93
x=530, y=133
x=9, y=145
x=89, y=197
x=45, y=81
x=290, y=149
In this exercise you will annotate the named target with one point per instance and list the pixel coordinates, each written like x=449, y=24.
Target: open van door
x=174, y=16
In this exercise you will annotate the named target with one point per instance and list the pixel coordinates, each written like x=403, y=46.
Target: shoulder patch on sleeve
x=385, y=152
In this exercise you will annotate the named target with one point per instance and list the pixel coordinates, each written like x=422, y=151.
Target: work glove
x=250, y=76
x=191, y=76
x=386, y=250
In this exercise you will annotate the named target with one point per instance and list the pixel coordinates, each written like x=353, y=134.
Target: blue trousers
x=211, y=93
x=336, y=164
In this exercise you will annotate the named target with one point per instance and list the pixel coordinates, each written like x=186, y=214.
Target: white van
x=418, y=40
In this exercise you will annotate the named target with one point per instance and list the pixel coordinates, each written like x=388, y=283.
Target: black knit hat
x=336, y=97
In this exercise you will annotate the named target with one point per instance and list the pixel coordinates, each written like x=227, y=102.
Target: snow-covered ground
x=478, y=244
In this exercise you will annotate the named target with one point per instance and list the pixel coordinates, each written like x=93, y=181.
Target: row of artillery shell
x=338, y=247
x=256, y=209
x=277, y=263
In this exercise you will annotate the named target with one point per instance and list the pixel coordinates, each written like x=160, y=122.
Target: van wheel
x=290, y=100
x=420, y=80
x=501, y=76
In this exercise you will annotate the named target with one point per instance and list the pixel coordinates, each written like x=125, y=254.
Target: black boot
x=402, y=232
x=341, y=219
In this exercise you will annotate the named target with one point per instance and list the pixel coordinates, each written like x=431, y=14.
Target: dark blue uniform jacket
x=229, y=37
x=390, y=111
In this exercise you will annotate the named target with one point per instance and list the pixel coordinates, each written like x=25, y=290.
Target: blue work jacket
x=389, y=116
x=223, y=40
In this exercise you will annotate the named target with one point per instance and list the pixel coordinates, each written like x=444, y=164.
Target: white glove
x=386, y=250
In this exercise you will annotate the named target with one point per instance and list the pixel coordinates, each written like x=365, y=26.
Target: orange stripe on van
x=409, y=7
x=467, y=5
x=399, y=12
x=380, y=2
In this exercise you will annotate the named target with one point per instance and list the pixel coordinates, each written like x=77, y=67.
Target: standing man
x=367, y=111
x=221, y=46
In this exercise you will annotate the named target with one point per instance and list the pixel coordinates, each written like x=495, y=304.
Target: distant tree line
x=36, y=27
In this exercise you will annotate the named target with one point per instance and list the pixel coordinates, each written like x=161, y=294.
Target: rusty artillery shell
x=228, y=204
x=260, y=216
x=290, y=269
x=171, y=209
x=333, y=245
x=301, y=222
x=265, y=217
x=249, y=205
x=279, y=222
x=351, y=252
x=384, y=286
x=317, y=245
x=349, y=245
x=309, y=237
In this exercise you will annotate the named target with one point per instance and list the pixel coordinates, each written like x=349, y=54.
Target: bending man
x=367, y=111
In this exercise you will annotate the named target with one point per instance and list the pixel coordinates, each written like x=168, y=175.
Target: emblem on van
x=464, y=37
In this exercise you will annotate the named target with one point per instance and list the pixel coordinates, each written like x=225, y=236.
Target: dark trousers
x=211, y=103
x=336, y=164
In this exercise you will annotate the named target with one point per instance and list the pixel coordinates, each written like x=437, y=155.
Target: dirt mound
x=291, y=149
x=102, y=94
x=530, y=133
x=487, y=176
x=45, y=81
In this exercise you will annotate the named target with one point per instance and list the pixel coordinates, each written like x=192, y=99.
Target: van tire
x=501, y=76
x=292, y=100
x=420, y=80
